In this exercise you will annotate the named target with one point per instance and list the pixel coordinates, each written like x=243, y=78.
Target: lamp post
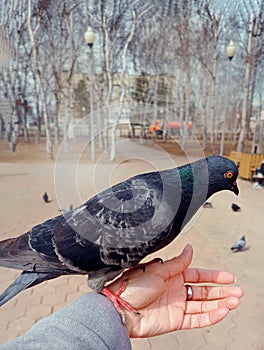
x=230, y=53
x=89, y=38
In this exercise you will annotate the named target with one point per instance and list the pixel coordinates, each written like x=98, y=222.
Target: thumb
x=175, y=265
x=182, y=262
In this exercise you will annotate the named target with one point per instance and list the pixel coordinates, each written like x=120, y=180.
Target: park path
x=212, y=233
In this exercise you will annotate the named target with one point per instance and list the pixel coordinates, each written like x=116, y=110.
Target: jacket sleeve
x=89, y=323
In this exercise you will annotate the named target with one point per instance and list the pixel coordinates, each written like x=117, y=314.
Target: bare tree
x=11, y=78
x=33, y=25
x=252, y=16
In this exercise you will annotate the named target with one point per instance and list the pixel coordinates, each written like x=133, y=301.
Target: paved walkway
x=212, y=233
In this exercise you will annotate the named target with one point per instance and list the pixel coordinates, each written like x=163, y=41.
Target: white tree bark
x=123, y=87
x=37, y=71
x=72, y=59
x=213, y=82
x=240, y=144
x=122, y=80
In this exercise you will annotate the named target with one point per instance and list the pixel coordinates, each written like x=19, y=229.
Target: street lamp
x=230, y=53
x=89, y=38
x=230, y=50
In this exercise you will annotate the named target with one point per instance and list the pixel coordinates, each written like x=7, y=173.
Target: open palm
x=159, y=295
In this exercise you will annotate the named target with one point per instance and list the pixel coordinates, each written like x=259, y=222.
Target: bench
x=248, y=165
x=235, y=157
x=246, y=162
x=255, y=163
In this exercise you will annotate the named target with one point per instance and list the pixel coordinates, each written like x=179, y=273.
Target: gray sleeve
x=89, y=323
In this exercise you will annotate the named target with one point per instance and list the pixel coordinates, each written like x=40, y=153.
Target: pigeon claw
x=118, y=302
x=143, y=266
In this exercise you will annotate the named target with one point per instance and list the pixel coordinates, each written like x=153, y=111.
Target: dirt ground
x=31, y=152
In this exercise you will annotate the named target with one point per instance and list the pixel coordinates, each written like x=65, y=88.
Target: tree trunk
x=32, y=34
x=123, y=87
x=242, y=134
x=212, y=92
x=204, y=116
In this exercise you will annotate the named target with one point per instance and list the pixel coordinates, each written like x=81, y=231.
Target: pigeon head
x=222, y=175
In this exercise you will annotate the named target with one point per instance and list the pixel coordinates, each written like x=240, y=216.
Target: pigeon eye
x=229, y=174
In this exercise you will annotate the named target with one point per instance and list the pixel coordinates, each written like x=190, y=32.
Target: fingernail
x=187, y=248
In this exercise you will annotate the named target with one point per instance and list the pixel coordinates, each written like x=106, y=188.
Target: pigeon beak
x=234, y=188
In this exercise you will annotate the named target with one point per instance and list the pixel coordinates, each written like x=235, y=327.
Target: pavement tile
x=12, y=312
x=38, y=311
x=26, y=300
x=3, y=323
x=21, y=325
x=6, y=275
x=73, y=296
x=5, y=336
x=77, y=280
x=210, y=334
x=68, y=288
x=59, y=306
x=141, y=344
x=45, y=288
x=84, y=287
x=191, y=339
x=168, y=341
x=62, y=280
x=54, y=298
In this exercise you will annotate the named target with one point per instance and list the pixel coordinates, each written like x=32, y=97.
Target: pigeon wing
x=118, y=227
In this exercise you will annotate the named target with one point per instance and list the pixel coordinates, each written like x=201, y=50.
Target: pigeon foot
x=119, y=302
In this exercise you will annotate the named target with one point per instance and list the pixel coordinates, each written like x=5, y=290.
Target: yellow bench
x=246, y=162
x=235, y=157
x=249, y=164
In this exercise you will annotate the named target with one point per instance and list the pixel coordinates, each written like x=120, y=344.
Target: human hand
x=160, y=296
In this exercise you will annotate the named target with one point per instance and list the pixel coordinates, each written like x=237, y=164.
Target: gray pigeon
x=240, y=244
x=117, y=228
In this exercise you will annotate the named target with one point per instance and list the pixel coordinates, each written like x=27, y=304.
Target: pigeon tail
x=24, y=281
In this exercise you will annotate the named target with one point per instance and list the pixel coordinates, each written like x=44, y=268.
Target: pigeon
x=235, y=207
x=45, y=197
x=208, y=205
x=240, y=244
x=114, y=230
x=67, y=209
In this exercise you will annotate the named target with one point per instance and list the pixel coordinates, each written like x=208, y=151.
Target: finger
x=214, y=293
x=195, y=275
x=204, y=319
x=173, y=266
x=195, y=307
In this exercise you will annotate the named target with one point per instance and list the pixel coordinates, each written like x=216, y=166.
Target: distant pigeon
x=208, y=205
x=67, y=210
x=235, y=207
x=45, y=197
x=240, y=244
x=117, y=228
